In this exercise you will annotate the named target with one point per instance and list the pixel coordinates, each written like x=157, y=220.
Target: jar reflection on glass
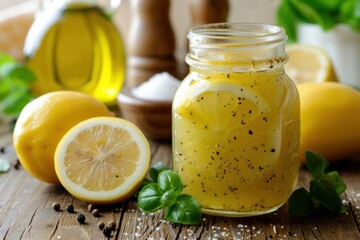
x=236, y=120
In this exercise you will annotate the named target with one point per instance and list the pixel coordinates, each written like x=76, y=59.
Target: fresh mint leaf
x=316, y=164
x=156, y=169
x=185, y=210
x=324, y=193
x=169, y=180
x=149, y=198
x=300, y=203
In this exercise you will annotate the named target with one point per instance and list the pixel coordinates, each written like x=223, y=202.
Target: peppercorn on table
x=30, y=209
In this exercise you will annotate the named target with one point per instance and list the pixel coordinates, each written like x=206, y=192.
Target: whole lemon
x=43, y=122
x=330, y=118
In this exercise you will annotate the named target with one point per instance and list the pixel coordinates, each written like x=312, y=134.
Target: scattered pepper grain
x=17, y=164
x=101, y=225
x=107, y=232
x=95, y=212
x=112, y=225
x=70, y=208
x=81, y=218
x=91, y=207
x=56, y=206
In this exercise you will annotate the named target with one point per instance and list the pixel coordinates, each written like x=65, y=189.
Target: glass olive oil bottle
x=75, y=46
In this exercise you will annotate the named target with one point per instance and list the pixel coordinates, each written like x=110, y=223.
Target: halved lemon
x=102, y=160
x=308, y=63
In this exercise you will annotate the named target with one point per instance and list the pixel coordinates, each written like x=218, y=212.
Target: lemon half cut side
x=102, y=160
x=308, y=63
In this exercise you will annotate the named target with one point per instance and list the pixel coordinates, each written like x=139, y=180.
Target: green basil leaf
x=6, y=68
x=343, y=209
x=325, y=194
x=4, y=58
x=169, y=180
x=149, y=198
x=168, y=198
x=354, y=24
x=350, y=13
x=156, y=169
x=328, y=5
x=185, y=210
x=5, y=88
x=347, y=10
x=14, y=103
x=287, y=19
x=335, y=179
x=21, y=72
x=357, y=10
x=316, y=164
x=310, y=13
x=143, y=184
x=300, y=203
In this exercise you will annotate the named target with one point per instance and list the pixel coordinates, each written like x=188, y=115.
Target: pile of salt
x=160, y=87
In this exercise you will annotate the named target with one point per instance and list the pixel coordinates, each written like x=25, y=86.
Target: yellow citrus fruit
x=308, y=63
x=102, y=160
x=43, y=122
x=330, y=117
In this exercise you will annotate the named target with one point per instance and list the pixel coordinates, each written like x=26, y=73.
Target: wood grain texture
x=26, y=212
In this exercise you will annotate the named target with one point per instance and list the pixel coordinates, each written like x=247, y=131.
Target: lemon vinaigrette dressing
x=73, y=45
x=236, y=120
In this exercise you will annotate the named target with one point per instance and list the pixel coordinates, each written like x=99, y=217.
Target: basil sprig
x=164, y=191
x=15, y=80
x=325, y=13
x=325, y=188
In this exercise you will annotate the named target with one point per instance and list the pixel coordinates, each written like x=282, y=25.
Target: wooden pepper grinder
x=208, y=11
x=151, y=41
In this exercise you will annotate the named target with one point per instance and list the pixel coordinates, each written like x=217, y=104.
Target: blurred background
x=16, y=17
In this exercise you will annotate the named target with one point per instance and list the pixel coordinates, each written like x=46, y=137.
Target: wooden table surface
x=26, y=212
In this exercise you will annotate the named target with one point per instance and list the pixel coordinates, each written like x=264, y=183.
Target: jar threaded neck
x=238, y=46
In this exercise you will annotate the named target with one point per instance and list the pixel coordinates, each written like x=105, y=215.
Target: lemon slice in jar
x=228, y=124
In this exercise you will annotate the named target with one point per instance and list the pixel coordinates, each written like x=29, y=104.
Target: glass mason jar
x=236, y=120
x=73, y=45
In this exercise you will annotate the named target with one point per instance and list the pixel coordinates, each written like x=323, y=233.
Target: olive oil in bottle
x=75, y=46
